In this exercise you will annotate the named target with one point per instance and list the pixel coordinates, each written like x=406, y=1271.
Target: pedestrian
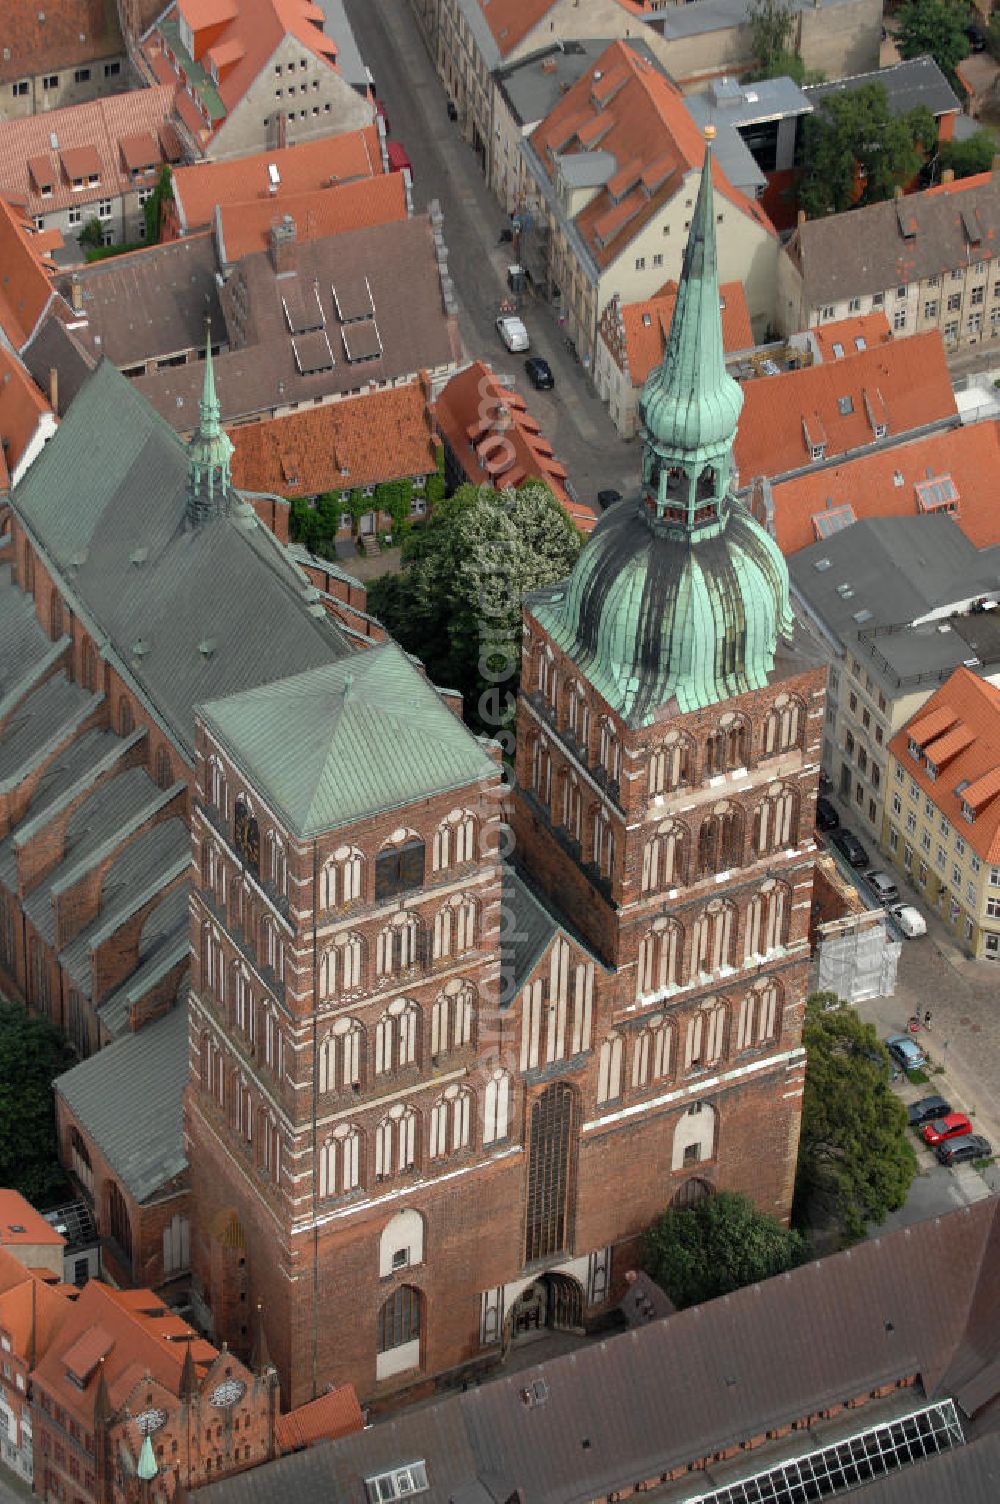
x=927, y=1019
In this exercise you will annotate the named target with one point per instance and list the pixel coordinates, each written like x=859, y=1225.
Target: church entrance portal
x=553, y=1302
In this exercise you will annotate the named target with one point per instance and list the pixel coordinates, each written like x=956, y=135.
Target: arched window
x=452, y=1018
x=664, y=857
x=340, y=1056
x=583, y=1006
x=401, y=1244
x=125, y=721
x=758, y=1017
x=611, y=749
x=218, y=786
x=603, y=839
x=609, y=1069
x=213, y=963
x=269, y=1146
x=578, y=715
x=398, y=945
x=454, y=841
x=399, y=866
x=340, y=1161
x=659, y=958
x=670, y=764
x=720, y=840
x=571, y=806
x=496, y=1107
x=399, y=1329
x=713, y=937
x=765, y=927
x=651, y=1053
x=547, y=686
x=119, y=1221
x=705, y=1040
x=247, y=834
x=694, y=1137
x=243, y=1003
x=774, y=822
x=455, y=927
x=396, y=1141
x=276, y=864
x=397, y=1036
x=79, y=1160
x=552, y=1133
x=55, y=616
x=541, y=771
x=340, y=966
x=342, y=878
x=727, y=747
x=213, y=873
x=783, y=725
x=273, y=1039
x=450, y=1122
x=164, y=771
x=555, y=1014
x=531, y=1025
x=214, y=1070
x=89, y=665
x=273, y=950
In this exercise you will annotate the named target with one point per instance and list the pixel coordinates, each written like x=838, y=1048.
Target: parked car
x=910, y=920
x=399, y=158
x=905, y=1052
x=826, y=816
x=607, y=499
x=512, y=332
x=957, y=1151
x=539, y=373
x=883, y=886
x=850, y=847
x=926, y=1109
x=952, y=1125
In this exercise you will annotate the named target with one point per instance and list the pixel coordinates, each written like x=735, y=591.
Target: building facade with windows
x=57, y=55
x=926, y=260
x=942, y=826
x=422, y=1074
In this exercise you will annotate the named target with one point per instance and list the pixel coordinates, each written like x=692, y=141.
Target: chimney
x=948, y=175
x=54, y=390
x=283, y=257
x=76, y=294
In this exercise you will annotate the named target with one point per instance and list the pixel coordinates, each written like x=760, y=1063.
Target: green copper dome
x=679, y=596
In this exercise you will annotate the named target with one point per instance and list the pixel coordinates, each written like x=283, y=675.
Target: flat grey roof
x=919, y=80
x=349, y=60
x=534, y=85
x=729, y=102
x=587, y=169
x=714, y=15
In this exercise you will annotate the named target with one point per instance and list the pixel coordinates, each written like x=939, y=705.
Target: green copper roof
x=678, y=598
x=148, y=1468
x=348, y=740
x=210, y=450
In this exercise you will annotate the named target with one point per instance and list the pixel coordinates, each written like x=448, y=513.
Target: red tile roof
x=870, y=328
x=902, y=385
x=884, y=484
x=101, y=126
x=325, y=211
x=647, y=325
x=497, y=441
x=19, y=1222
x=381, y=436
x=335, y=1414
x=241, y=36
x=31, y=1309
x=650, y=130
x=300, y=169
x=25, y=269
x=41, y=38
x=958, y=733
x=132, y=1331
x=510, y=21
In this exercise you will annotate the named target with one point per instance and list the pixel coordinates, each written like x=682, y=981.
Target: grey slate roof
x=351, y=739
x=918, y=80
x=531, y=91
x=128, y=1098
x=702, y=16
x=919, y=1300
x=54, y=347
x=865, y=250
x=40, y=723
x=165, y=942
x=529, y=926
x=25, y=650
x=217, y=609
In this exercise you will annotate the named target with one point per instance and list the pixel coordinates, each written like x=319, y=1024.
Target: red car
x=952, y=1126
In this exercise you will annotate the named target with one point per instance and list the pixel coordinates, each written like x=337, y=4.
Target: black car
x=850, y=847
x=826, y=816
x=957, y=1151
x=607, y=499
x=926, y=1110
x=539, y=373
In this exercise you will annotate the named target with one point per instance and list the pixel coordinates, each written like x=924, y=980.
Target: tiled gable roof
x=31, y=1308
x=652, y=138
x=898, y=386
x=844, y=336
x=957, y=733
x=647, y=325
x=335, y=1414
x=246, y=227
x=41, y=37
x=22, y=408
x=20, y=1223
x=25, y=269
x=380, y=436
x=884, y=484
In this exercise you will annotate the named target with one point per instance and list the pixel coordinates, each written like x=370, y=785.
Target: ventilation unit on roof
x=821, y=564
x=274, y=176
x=862, y=616
x=53, y=141
x=845, y=592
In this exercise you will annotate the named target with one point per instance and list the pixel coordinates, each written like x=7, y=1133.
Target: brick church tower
x=441, y=1080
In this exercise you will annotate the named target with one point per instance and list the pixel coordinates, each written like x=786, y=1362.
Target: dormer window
x=968, y=813
x=913, y=748
x=818, y=451
x=931, y=770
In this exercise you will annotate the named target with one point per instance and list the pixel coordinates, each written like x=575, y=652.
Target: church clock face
x=150, y=1420
x=229, y=1392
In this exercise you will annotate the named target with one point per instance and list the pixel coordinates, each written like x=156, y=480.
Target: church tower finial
x=210, y=451
x=690, y=405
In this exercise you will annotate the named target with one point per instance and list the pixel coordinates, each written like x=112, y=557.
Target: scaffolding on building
x=857, y=956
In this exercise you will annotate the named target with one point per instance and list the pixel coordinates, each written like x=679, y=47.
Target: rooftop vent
x=845, y=592
x=15, y=1227
x=822, y=564
x=53, y=141
x=845, y=406
x=536, y=1393
x=862, y=616
x=138, y=556
x=140, y=647
x=207, y=647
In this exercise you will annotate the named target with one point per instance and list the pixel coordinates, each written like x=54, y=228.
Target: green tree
x=32, y=1054
x=855, y=1159
x=721, y=1244
x=92, y=234
x=152, y=209
x=854, y=140
x=772, y=24
x=966, y=158
x=457, y=602
x=937, y=27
